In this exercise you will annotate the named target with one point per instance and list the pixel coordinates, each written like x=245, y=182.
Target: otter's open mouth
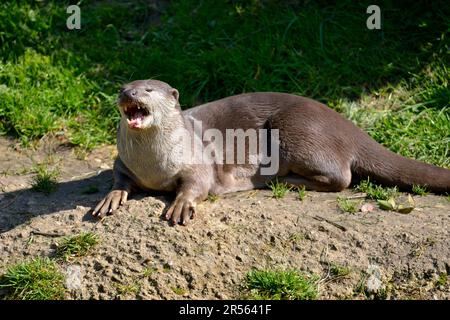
x=135, y=114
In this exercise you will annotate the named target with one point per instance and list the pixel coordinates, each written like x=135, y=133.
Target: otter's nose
x=130, y=93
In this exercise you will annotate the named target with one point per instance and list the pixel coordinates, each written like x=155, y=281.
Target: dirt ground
x=390, y=255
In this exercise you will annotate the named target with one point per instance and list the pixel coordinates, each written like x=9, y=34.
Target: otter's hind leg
x=337, y=181
x=310, y=153
x=318, y=171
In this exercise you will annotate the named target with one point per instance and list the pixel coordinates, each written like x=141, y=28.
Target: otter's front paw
x=110, y=203
x=181, y=211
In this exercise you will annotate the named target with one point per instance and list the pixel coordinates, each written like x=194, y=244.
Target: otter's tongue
x=136, y=119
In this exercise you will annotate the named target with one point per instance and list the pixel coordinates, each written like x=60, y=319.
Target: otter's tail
x=391, y=169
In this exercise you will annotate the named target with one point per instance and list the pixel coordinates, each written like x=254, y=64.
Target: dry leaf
x=386, y=205
x=401, y=208
x=404, y=210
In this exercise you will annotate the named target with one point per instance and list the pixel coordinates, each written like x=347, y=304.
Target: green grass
x=279, y=285
x=359, y=289
x=178, y=291
x=338, y=270
x=38, y=279
x=148, y=271
x=76, y=246
x=412, y=130
x=213, y=197
x=128, y=289
x=376, y=192
x=347, y=205
x=419, y=190
x=296, y=237
x=279, y=189
x=301, y=193
x=45, y=179
x=392, y=82
x=442, y=279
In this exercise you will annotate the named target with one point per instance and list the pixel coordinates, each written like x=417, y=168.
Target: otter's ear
x=175, y=94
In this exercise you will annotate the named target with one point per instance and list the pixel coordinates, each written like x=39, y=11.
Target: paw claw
x=110, y=203
x=179, y=211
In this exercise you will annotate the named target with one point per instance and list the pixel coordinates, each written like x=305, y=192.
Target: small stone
x=374, y=283
x=23, y=234
x=367, y=207
x=73, y=277
x=107, y=272
x=219, y=296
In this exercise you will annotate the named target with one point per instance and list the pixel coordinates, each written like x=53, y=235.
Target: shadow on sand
x=18, y=207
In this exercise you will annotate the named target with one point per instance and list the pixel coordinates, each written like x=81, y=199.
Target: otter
x=317, y=148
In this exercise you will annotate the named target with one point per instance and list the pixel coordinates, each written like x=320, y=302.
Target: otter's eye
x=149, y=90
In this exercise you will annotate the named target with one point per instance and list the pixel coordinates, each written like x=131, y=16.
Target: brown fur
x=319, y=149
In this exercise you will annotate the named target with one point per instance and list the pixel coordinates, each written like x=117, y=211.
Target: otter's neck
x=153, y=154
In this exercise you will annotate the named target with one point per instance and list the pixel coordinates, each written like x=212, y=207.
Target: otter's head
x=146, y=103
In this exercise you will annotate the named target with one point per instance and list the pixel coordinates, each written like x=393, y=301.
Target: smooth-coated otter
x=315, y=147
